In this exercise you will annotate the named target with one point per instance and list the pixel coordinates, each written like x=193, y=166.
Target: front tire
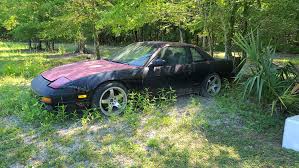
x=211, y=85
x=110, y=98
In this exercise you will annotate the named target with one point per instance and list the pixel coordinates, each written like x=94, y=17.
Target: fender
x=131, y=77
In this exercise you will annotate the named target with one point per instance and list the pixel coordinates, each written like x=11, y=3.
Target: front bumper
x=39, y=86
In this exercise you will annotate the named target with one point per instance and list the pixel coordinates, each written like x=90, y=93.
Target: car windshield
x=136, y=54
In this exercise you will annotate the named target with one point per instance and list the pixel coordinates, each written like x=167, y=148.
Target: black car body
x=167, y=64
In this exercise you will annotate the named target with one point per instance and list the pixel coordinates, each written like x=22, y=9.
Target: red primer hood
x=82, y=69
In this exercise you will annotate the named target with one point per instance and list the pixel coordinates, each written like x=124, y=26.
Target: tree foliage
x=211, y=24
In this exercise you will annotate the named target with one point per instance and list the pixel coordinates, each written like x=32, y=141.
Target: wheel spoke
x=105, y=101
x=214, y=81
x=119, y=97
x=213, y=89
x=110, y=108
x=111, y=93
x=209, y=89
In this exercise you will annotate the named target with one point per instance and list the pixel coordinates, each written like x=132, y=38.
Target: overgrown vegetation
x=270, y=83
x=155, y=131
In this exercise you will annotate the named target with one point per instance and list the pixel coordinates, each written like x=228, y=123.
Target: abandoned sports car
x=104, y=84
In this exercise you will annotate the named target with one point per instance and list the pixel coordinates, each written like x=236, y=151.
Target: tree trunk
x=187, y=36
x=230, y=31
x=205, y=29
x=245, y=19
x=30, y=44
x=34, y=45
x=245, y=22
x=81, y=48
x=142, y=33
x=97, y=46
x=150, y=33
x=181, y=36
x=52, y=45
x=136, y=35
x=47, y=43
x=39, y=45
x=211, y=43
x=204, y=42
x=96, y=41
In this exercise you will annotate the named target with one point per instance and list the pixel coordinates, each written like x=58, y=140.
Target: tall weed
x=28, y=68
x=146, y=103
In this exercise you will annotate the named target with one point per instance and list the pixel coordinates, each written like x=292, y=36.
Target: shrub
x=145, y=102
x=61, y=50
x=270, y=83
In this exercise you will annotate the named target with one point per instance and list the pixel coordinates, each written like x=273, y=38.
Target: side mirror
x=158, y=62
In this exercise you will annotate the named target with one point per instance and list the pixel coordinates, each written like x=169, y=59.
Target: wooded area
x=242, y=126
x=211, y=24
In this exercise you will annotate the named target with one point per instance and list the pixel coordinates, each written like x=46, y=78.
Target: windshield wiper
x=106, y=59
x=119, y=62
x=111, y=60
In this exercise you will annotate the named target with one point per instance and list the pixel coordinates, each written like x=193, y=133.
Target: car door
x=176, y=71
x=201, y=65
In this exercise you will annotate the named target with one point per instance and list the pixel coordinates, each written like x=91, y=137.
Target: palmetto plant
x=269, y=83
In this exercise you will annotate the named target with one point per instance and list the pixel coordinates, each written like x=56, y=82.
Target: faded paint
x=82, y=69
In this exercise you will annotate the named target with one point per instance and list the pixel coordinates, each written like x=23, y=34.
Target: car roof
x=166, y=43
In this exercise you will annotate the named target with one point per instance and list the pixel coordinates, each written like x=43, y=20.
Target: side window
x=174, y=55
x=196, y=55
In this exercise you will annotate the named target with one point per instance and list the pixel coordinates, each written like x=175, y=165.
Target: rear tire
x=110, y=98
x=211, y=85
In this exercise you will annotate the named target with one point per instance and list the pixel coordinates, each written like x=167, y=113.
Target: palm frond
x=268, y=82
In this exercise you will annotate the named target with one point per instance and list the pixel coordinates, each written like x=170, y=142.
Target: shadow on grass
x=244, y=135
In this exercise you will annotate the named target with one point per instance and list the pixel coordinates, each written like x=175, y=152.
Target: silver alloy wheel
x=113, y=101
x=213, y=85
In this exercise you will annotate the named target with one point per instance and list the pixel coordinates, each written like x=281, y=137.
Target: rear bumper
x=39, y=86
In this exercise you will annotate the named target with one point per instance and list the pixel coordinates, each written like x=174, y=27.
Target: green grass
x=191, y=131
x=280, y=58
x=293, y=59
